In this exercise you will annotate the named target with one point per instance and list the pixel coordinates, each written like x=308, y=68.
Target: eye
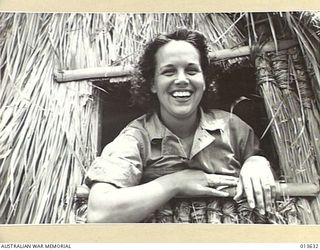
x=192, y=70
x=168, y=72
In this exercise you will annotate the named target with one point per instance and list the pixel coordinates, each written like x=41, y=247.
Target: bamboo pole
x=125, y=71
x=247, y=50
x=92, y=73
x=282, y=190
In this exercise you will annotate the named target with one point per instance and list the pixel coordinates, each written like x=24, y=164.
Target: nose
x=181, y=78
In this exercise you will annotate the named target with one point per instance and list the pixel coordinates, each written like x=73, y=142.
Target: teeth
x=181, y=94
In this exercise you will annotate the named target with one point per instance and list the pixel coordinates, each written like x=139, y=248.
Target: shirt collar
x=155, y=127
x=209, y=121
x=212, y=120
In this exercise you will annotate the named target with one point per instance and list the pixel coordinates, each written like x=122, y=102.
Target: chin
x=183, y=113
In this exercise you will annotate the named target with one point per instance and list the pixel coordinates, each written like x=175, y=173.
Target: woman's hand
x=257, y=183
x=133, y=204
x=197, y=183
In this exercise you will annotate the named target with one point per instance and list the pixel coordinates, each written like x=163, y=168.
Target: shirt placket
x=201, y=140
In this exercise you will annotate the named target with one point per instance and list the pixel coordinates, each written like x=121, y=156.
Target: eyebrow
x=172, y=65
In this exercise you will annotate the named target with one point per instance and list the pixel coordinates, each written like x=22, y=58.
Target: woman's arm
x=256, y=180
x=133, y=204
x=257, y=183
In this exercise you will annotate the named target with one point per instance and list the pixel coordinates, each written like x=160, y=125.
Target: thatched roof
x=49, y=130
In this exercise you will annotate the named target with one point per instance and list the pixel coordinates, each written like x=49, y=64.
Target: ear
x=153, y=88
x=204, y=87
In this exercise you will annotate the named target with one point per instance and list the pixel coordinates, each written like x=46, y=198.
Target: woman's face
x=179, y=82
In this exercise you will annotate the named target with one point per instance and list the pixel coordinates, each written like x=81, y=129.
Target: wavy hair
x=143, y=78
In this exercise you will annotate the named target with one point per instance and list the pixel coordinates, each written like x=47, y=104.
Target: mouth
x=181, y=94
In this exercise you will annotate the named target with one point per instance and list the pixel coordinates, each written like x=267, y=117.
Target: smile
x=181, y=94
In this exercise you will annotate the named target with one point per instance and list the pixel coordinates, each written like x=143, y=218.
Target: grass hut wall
x=58, y=71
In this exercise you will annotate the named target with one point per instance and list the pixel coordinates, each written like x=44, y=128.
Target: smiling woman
x=179, y=151
x=179, y=85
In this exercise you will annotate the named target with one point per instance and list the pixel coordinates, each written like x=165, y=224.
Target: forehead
x=177, y=52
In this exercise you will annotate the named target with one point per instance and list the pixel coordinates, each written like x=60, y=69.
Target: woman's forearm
x=132, y=204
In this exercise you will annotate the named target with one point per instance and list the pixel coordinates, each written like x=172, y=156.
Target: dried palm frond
x=301, y=79
x=289, y=135
x=214, y=212
x=43, y=157
x=164, y=214
x=229, y=211
x=182, y=211
x=245, y=212
x=78, y=213
x=284, y=212
x=288, y=101
x=294, y=75
x=198, y=211
x=309, y=40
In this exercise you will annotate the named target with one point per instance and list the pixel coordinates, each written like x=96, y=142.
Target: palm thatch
x=47, y=138
x=288, y=98
x=49, y=131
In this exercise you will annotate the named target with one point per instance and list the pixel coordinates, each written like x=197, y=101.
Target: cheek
x=201, y=83
x=160, y=85
x=204, y=87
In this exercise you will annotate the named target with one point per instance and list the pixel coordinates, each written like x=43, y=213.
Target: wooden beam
x=92, y=73
x=122, y=71
x=282, y=190
x=246, y=50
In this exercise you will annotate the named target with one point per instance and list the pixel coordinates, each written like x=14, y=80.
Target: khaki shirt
x=146, y=149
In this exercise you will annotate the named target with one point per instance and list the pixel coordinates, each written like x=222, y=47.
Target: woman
x=178, y=148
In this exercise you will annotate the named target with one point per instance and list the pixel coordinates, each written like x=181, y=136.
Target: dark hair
x=141, y=94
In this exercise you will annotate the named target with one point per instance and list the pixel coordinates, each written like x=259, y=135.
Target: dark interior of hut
x=115, y=109
x=233, y=90
x=237, y=93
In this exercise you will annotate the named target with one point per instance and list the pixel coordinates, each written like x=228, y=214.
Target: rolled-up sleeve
x=244, y=140
x=249, y=143
x=120, y=163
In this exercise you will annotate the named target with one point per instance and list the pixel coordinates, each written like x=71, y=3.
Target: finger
x=267, y=196
x=258, y=193
x=239, y=192
x=219, y=180
x=268, y=186
x=273, y=191
x=213, y=192
x=272, y=184
x=224, y=188
x=248, y=189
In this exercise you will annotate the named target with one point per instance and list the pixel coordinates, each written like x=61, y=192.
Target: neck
x=183, y=128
